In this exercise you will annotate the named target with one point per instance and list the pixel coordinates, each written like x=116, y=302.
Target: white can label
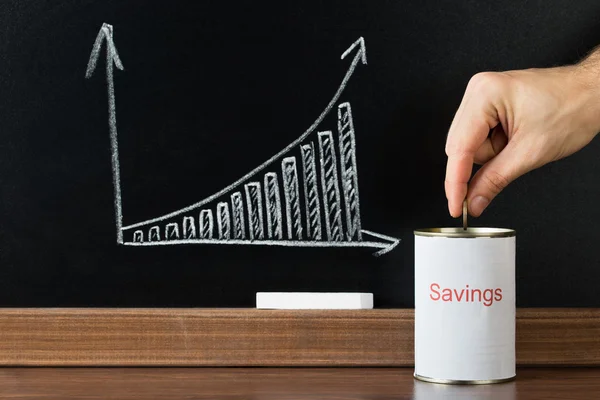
x=465, y=308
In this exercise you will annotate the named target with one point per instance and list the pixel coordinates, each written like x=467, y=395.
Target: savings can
x=465, y=305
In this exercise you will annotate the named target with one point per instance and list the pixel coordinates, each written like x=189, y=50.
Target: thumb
x=493, y=177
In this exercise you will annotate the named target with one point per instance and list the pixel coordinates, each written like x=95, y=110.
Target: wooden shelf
x=250, y=337
x=284, y=383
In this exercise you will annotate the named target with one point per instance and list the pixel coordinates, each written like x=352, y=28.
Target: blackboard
x=207, y=92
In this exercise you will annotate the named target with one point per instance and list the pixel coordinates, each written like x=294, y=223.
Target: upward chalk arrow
x=106, y=32
x=112, y=58
x=362, y=50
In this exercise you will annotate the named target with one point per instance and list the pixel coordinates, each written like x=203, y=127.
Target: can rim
x=470, y=232
x=464, y=382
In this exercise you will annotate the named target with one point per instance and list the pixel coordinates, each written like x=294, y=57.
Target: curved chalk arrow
x=360, y=56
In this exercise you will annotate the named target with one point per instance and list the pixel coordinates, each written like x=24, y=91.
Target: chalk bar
x=313, y=301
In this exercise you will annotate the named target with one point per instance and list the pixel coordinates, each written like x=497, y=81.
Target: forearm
x=591, y=61
x=586, y=77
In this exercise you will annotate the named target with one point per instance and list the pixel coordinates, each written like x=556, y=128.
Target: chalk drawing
x=154, y=234
x=206, y=224
x=360, y=56
x=291, y=193
x=331, y=189
x=309, y=196
x=105, y=34
x=138, y=236
x=255, y=214
x=237, y=205
x=273, y=206
x=172, y=231
x=311, y=192
x=349, y=171
x=223, y=224
x=189, y=228
x=385, y=246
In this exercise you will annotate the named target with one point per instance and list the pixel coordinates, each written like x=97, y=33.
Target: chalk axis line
x=253, y=211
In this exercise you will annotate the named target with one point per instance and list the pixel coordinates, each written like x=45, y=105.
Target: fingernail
x=477, y=205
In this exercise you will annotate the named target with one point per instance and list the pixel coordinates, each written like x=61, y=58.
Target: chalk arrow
x=112, y=58
x=362, y=50
x=384, y=242
x=361, y=55
x=105, y=33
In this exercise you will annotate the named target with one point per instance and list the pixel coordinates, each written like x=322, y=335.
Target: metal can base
x=463, y=382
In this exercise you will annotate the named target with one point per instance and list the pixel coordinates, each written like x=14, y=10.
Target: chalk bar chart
x=307, y=195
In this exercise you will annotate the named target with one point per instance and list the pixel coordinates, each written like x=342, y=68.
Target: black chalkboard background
x=212, y=89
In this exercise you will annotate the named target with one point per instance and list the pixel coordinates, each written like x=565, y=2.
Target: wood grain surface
x=250, y=337
x=283, y=384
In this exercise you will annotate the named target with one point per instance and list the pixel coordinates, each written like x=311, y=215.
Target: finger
x=492, y=146
x=459, y=169
x=469, y=130
x=493, y=177
x=499, y=139
x=484, y=153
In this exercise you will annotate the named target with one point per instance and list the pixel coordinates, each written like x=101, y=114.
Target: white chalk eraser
x=314, y=301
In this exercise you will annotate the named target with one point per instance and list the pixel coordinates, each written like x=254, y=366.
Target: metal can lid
x=471, y=232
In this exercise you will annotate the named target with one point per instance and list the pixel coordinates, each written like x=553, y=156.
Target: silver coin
x=465, y=212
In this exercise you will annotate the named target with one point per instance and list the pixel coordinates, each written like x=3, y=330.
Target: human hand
x=513, y=122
